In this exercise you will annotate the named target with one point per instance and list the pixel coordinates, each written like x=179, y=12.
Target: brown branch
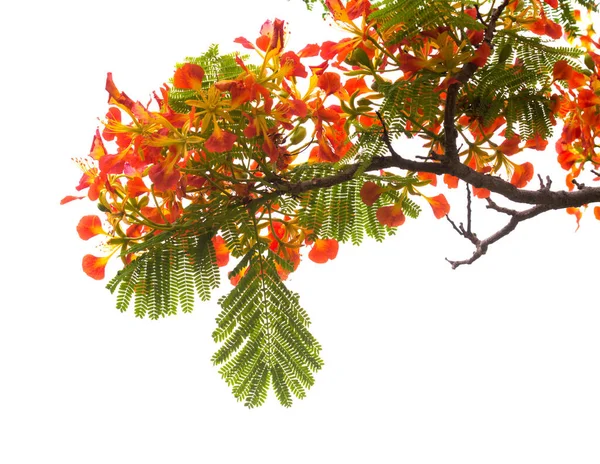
x=481, y=246
x=463, y=76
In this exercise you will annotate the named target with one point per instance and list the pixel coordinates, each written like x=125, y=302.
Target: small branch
x=481, y=246
x=500, y=209
x=458, y=231
x=468, y=209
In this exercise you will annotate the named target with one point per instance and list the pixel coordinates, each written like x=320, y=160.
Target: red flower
x=451, y=181
x=481, y=55
x=189, y=76
x=323, y=250
x=439, y=205
x=370, y=192
x=89, y=226
x=94, y=266
x=481, y=192
x=329, y=82
x=391, y=216
x=522, y=174
x=510, y=146
x=220, y=141
x=221, y=250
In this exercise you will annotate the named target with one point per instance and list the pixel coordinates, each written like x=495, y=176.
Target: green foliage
x=264, y=336
x=409, y=17
x=216, y=67
x=338, y=212
x=167, y=277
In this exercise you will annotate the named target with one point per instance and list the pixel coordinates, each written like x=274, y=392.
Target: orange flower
x=391, y=216
x=370, y=192
x=481, y=192
x=597, y=212
x=481, y=55
x=562, y=70
x=439, y=205
x=451, y=181
x=329, y=82
x=221, y=250
x=220, y=141
x=430, y=176
x=510, y=146
x=164, y=176
x=189, y=76
x=577, y=213
x=537, y=143
x=522, y=174
x=89, y=226
x=323, y=250
x=94, y=266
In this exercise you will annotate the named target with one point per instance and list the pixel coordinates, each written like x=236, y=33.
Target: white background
x=493, y=363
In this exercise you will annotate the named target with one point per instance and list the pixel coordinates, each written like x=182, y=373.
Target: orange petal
x=370, y=192
x=439, y=205
x=451, y=181
x=510, y=146
x=220, y=141
x=89, y=226
x=537, y=143
x=221, y=250
x=338, y=10
x=522, y=175
x=69, y=198
x=94, y=266
x=577, y=213
x=329, y=82
x=189, y=76
x=391, y=216
x=481, y=55
x=323, y=250
x=562, y=70
x=597, y=212
x=164, y=176
x=481, y=192
x=431, y=177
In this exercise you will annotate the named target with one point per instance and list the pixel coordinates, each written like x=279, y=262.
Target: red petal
x=522, y=175
x=577, y=213
x=221, y=250
x=370, y=192
x=164, y=177
x=439, y=205
x=329, y=82
x=481, y=55
x=562, y=70
x=510, y=146
x=430, y=176
x=244, y=42
x=69, y=198
x=220, y=141
x=94, y=267
x=89, y=226
x=309, y=50
x=481, y=192
x=391, y=216
x=323, y=250
x=451, y=181
x=189, y=76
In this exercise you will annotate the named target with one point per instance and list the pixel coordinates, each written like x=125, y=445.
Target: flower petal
x=189, y=76
x=323, y=250
x=89, y=226
x=391, y=216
